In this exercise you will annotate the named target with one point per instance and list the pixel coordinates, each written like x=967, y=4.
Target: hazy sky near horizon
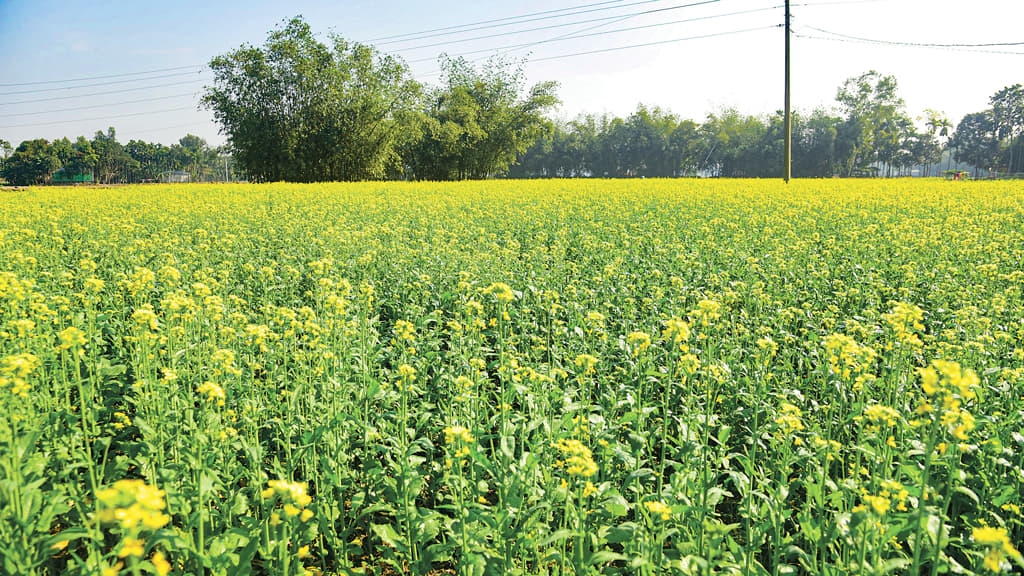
x=71, y=68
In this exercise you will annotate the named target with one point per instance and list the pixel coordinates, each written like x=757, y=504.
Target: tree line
x=869, y=134
x=301, y=109
x=104, y=160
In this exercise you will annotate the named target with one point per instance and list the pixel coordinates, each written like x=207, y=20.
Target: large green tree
x=113, y=163
x=875, y=122
x=301, y=110
x=478, y=122
x=976, y=140
x=33, y=162
x=1008, y=116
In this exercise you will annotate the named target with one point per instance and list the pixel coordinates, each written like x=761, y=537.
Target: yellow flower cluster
x=877, y=505
x=948, y=383
x=676, y=330
x=878, y=414
x=789, y=419
x=577, y=459
x=14, y=373
x=224, y=363
x=406, y=376
x=146, y=317
x=658, y=509
x=850, y=360
x=706, y=312
x=905, y=320
x=895, y=492
x=829, y=447
x=999, y=546
x=292, y=496
x=213, y=392
x=71, y=337
x=639, y=342
x=405, y=331
x=460, y=435
x=587, y=363
x=131, y=504
x=464, y=386
x=502, y=292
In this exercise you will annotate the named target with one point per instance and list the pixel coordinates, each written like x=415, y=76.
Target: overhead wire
x=917, y=44
x=435, y=35
x=562, y=25
x=660, y=42
x=493, y=20
x=641, y=45
x=86, y=78
x=580, y=34
x=798, y=34
x=94, y=106
x=116, y=117
x=119, y=91
x=41, y=90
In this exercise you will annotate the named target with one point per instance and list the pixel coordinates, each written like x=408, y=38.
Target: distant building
x=175, y=177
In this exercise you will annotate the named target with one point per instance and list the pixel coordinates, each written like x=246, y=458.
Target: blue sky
x=702, y=64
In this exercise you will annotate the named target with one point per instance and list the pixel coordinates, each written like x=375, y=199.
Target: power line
x=118, y=117
x=603, y=18
x=905, y=45
x=838, y=2
x=85, y=78
x=566, y=36
x=99, y=84
x=645, y=44
x=120, y=91
x=617, y=48
x=579, y=34
x=107, y=105
x=162, y=128
x=917, y=44
x=435, y=35
x=491, y=21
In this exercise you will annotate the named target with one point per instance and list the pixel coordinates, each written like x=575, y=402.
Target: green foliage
x=478, y=122
x=875, y=122
x=1008, y=116
x=300, y=110
x=31, y=163
x=976, y=140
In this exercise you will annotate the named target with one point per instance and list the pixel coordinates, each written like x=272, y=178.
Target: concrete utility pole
x=787, y=146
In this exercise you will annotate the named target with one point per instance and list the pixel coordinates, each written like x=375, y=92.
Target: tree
x=814, y=144
x=875, y=121
x=300, y=110
x=938, y=126
x=478, y=122
x=33, y=162
x=112, y=162
x=976, y=140
x=5, y=151
x=736, y=145
x=83, y=157
x=1008, y=116
x=151, y=159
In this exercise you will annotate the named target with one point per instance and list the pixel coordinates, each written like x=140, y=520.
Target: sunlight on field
x=533, y=377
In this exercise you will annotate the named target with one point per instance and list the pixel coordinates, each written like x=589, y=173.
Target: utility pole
x=787, y=146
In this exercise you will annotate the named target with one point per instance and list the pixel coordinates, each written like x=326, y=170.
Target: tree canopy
x=477, y=123
x=300, y=110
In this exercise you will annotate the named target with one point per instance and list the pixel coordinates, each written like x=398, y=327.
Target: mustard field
x=537, y=377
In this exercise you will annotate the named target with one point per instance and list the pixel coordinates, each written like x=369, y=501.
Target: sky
x=72, y=67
